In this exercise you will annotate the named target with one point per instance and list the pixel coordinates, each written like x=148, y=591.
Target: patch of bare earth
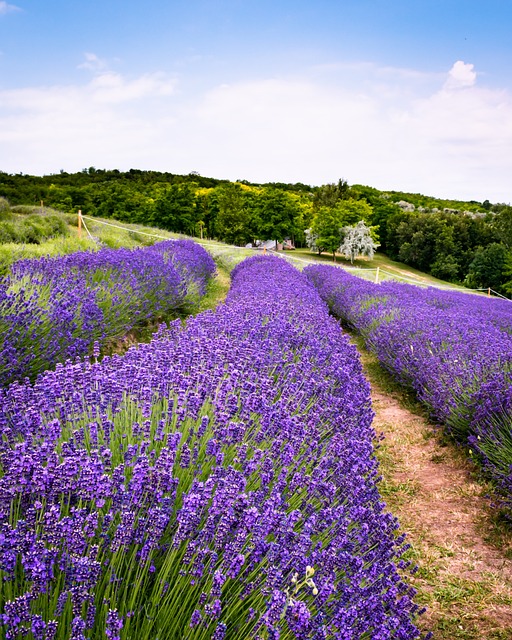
x=464, y=581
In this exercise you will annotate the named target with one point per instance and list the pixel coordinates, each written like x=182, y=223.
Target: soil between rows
x=464, y=580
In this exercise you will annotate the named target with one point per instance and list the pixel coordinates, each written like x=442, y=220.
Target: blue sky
x=408, y=95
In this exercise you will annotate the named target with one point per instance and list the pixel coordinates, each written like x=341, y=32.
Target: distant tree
x=207, y=210
x=351, y=211
x=416, y=237
x=325, y=231
x=382, y=210
x=358, y=241
x=329, y=194
x=446, y=267
x=232, y=220
x=503, y=225
x=277, y=215
x=174, y=208
x=490, y=268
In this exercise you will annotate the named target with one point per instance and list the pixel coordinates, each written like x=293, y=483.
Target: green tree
x=328, y=195
x=490, y=268
x=352, y=211
x=445, y=267
x=174, y=208
x=233, y=218
x=382, y=210
x=325, y=231
x=277, y=215
x=503, y=225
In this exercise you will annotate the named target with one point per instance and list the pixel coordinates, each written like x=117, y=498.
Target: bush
x=8, y=232
x=24, y=209
x=33, y=229
x=5, y=210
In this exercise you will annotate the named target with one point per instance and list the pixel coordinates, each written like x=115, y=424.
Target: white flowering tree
x=358, y=241
x=311, y=240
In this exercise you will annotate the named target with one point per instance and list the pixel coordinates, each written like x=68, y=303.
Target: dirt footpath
x=464, y=579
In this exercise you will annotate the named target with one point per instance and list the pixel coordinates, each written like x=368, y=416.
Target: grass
x=218, y=289
x=102, y=235
x=367, y=268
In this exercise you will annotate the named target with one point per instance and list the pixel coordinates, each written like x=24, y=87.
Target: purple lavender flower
x=113, y=625
x=285, y=479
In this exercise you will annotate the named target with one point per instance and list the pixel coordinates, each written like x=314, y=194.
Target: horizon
x=238, y=181
x=414, y=97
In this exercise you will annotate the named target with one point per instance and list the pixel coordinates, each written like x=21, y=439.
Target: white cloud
x=5, y=7
x=461, y=75
x=106, y=123
x=93, y=62
x=105, y=88
x=395, y=135
x=382, y=127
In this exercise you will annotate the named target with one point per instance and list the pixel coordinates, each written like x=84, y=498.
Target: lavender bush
x=54, y=309
x=453, y=349
x=218, y=482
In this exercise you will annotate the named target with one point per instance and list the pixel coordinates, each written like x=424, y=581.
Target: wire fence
x=380, y=273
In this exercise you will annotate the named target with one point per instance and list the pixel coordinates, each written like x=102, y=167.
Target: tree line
x=462, y=242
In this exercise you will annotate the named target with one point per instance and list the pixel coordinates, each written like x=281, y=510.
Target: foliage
x=174, y=209
x=329, y=195
x=233, y=223
x=325, y=231
x=277, y=215
x=31, y=229
x=5, y=209
x=438, y=236
x=442, y=243
x=489, y=268
x=353, y=211
x=503, y=225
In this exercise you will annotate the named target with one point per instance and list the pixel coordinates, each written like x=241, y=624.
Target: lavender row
x=55, y=309
x=453, y=349
x=216, y=483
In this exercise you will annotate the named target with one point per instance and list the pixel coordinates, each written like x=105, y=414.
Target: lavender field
x=453, y=349
x=56, y=308
x=218, y=482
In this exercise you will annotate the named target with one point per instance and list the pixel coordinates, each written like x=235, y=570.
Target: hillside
x=465, y=243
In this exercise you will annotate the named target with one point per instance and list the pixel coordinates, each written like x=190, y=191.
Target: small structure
x=270, y=245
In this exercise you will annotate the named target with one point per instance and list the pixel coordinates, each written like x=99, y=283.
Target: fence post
x=489, y=292
x=79, y=224
x=377, y=276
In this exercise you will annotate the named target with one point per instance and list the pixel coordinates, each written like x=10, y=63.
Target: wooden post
x=377, y=276
x=489, y=292
x=80, y=224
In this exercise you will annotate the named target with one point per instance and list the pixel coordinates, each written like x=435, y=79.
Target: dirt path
x=464, y=580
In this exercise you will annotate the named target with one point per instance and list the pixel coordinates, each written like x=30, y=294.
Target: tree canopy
x=447, y=238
